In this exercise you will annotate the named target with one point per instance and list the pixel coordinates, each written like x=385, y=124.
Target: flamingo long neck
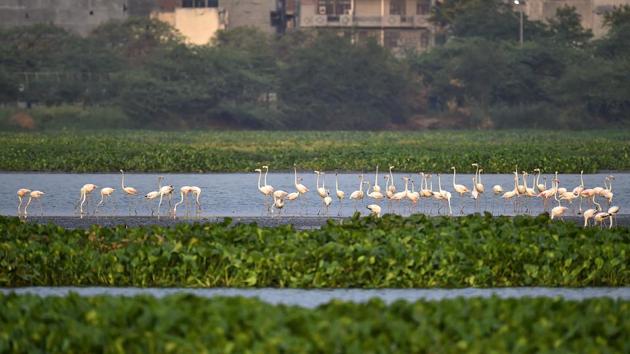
x=537, y=178
x=317, y=181
x=581, y=179
x=159, y=183
x=122, y=183
x=440, y=183
x=525, y=181
x=599, y=207
x=336, y=183
x=324, y=181
x=479, y=176
x=406, y=185
x=361, y=183
x=516, y=182
x=609, y=185
x=376, y=177
x=259, y=178
x=181, y=201
x=453, y=178
x=413, y=188
x=266, y=171
x=295, y=170
x=391, y=176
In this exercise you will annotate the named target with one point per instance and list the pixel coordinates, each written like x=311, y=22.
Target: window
x=200, y=3
x=423, y=7
x=397, y=7
x=334, y=7
x=424, y=39
x=392, y=37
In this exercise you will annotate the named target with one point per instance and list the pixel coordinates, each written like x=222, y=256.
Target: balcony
x=387, y=21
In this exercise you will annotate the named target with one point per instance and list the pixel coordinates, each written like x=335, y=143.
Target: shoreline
x=298, y=222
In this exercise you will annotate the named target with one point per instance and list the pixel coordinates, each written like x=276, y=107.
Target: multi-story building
x=197, y=20
x=591, y=11
x=396, y=24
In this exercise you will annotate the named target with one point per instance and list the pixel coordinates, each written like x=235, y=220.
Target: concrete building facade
x=396, y=24
x=591, y=11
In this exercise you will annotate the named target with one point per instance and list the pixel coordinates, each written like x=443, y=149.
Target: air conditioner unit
x=421, y=21
x=322, y=10
x=345, y=20
x=391, y=21
x=306, y=20
x=320, y=20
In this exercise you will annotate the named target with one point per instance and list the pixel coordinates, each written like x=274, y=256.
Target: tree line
x=478, y=76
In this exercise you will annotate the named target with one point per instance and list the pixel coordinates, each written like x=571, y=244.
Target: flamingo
x=21, y=193
x=607, y=192
x=327, y=202
x=86, y=191
x=320, y=190
x=183, y=191
x=446, y=195
x=374, y=210
x=375, y=194
x=541, y=187
x=129, y=191
x=278, y=203
x=459, y=188
x=424, y=190
x=398, y=196
x=612, y=211
x=358, y=194
x=165, y=191
x=413, y=196
x=478, y=185
x=376, y=187
x=340, y=194
x=520, y=189
x=37, y=195
x=588, y=214
x=154, y=194
x=106, y=192
x=266, y=189
x=391, y=187
x=497, y=189
x=299, y=186
x=559, y=210
x=577, y=190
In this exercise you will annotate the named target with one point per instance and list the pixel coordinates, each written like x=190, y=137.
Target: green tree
x=566, y=28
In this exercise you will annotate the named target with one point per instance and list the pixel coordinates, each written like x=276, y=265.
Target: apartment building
x=396, y=24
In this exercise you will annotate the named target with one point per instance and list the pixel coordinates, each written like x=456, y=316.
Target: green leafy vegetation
x=141, y=69
x=497, y=152
x=188, y=324
x=392, y=252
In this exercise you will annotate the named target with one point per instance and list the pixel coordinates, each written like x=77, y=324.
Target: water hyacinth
x=392, y=252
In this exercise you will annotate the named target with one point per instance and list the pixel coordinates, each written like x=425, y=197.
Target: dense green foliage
x=350, y=151
x=561, y=77
x=188, y=324
x=392, y=252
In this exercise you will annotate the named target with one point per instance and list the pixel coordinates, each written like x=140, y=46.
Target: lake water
x=315, y=297
x=236, y=194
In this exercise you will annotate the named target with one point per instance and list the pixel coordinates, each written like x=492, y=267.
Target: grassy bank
x=392, y=252
x=496, y=151
x=188, y=324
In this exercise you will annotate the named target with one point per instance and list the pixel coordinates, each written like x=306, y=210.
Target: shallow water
x=316, y=297
x=236, y=194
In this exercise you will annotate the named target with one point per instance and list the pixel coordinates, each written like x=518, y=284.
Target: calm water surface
x=315, y=297
x=236, y=194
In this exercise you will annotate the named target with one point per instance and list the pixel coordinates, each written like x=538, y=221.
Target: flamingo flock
x=581, y=200
x=521, y=196
x=131, y=193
